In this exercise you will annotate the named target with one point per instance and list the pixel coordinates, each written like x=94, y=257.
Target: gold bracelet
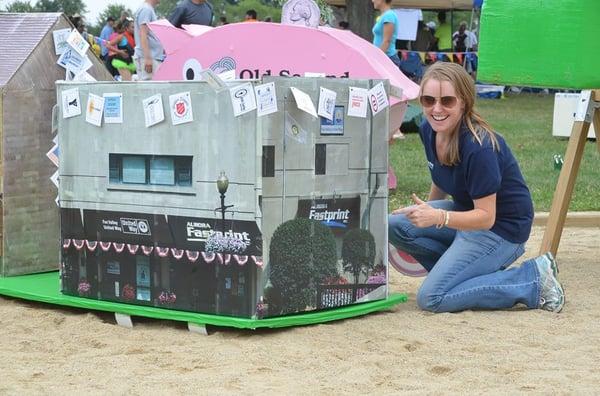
x=447, y=219
x=441, y=223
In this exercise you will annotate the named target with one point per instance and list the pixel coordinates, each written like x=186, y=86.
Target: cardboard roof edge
x=11, y=23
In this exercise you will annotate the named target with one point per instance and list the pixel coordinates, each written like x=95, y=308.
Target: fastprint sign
x=339, y=214
x=157, y=230
x=192, y=232
x=200, y=231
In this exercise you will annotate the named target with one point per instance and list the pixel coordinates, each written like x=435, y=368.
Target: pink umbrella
x=257, y=49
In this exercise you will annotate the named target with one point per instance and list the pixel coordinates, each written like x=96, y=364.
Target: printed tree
x=358, y=253
x=302, y=255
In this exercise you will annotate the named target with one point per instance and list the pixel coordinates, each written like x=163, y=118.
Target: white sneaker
x=552, y=295
x=553, y=263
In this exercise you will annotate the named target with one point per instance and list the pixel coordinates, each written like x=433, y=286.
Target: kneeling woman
x=467, y=243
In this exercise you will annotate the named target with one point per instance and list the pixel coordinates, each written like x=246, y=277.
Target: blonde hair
x=465, y=91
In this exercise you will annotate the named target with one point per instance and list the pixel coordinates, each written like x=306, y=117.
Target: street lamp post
x=222, y=186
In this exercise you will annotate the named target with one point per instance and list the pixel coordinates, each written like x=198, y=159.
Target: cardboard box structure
x=29, y=221
x=141, y=216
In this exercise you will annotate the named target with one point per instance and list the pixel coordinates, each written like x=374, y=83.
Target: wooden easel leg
x=564, y=188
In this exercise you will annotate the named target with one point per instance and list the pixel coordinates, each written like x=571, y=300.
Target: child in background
x=120, y=52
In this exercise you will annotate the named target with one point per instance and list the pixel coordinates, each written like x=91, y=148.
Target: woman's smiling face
x=447, y=110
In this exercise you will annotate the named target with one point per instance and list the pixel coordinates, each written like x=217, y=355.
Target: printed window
x=133, y=169
x=142, y=278
x=150, y=170
x=162, y=171
x=268, y=161
x=320, y=159
x=183, y=169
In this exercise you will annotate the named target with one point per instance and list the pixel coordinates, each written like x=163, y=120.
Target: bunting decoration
x=430, y=56
x=133, y=248
x=191, y=255
x=91, y=245
x=208, y=257
x=105, y=246
x=78, y=243
x=147, y=250
x=177, y=253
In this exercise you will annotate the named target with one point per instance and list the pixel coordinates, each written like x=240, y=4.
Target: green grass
x=525, y=121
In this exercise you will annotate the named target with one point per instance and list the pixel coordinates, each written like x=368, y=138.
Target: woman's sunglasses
x=446, y=101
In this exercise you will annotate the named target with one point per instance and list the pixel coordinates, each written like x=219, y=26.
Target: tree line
x=360, y=12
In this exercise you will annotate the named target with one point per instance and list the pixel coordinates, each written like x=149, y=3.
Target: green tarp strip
x=45, y=288
x=549, y=43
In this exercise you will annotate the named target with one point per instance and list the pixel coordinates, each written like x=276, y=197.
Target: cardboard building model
x=305, y=225
x=29, y=221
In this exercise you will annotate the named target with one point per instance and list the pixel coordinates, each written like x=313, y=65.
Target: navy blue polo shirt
x=483, y=171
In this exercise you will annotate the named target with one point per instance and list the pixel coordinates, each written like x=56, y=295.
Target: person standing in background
x=384, y=30
x=192, y=12
x=124, y=15
x=384, y=37
x=121, y=52
x=107, y=30
x=149, y=52
x=443, y=33
x=424, y=38
x=251, y=16
x=464, y=40
x=129, y=33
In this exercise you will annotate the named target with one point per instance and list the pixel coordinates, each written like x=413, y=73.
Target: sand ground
x=47, y=350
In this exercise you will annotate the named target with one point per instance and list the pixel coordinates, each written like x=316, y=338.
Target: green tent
x=550, y=43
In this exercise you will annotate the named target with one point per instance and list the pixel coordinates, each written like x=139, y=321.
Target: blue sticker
x=335, y=126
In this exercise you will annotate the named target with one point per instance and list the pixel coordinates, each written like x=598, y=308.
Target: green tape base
x=45, y=288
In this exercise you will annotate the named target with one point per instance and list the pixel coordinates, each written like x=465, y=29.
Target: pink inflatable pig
x=257, y=49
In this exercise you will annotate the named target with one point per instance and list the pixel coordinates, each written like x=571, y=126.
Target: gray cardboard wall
x=217, y=141
x=365, y=154
x=30, y=215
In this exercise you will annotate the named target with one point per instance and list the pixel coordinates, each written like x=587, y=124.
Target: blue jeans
x=467, y=269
